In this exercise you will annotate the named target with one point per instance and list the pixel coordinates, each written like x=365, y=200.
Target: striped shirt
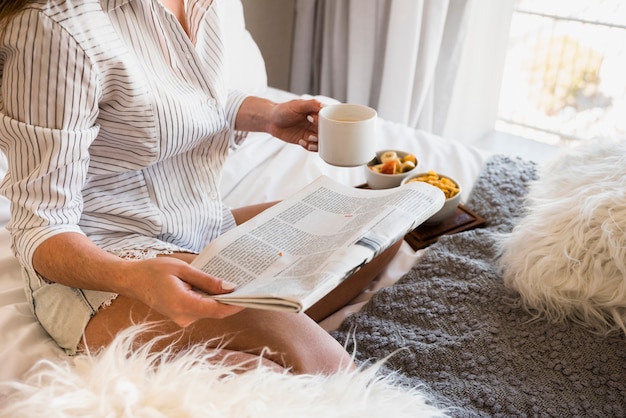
x=116, y=124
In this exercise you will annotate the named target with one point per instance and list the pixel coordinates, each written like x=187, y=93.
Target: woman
x=116, y=122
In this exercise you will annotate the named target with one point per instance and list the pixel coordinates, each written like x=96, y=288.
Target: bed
x=438, y=322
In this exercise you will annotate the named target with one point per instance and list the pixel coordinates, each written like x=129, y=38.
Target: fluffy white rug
x=567, y=256
x=125, y=382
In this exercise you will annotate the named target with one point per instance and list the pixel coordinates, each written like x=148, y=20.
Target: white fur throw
x=567, y=254
x=124, y=382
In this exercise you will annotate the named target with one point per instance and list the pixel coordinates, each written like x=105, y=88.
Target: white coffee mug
x=347, y=134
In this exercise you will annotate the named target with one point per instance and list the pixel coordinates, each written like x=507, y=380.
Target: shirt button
x=189, y=56
x=213, y=195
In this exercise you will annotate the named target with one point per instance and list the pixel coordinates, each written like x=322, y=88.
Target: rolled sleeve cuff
x=235, y=99
x=27, y=242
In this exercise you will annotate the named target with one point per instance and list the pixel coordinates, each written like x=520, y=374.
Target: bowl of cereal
x=450, y=188
x=388, y=168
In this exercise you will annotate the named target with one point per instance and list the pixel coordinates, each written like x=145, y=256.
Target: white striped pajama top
x=115, y=124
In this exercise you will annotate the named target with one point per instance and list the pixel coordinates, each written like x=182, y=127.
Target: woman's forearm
x=73, y=260
x=254, y=115
x=294, y=121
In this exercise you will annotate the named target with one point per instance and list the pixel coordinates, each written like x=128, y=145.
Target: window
x=564, y=77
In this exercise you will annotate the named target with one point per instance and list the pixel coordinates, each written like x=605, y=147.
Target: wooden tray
x=462, y=220
x=424, y=235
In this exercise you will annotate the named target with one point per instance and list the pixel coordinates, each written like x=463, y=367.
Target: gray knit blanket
x=450, y=326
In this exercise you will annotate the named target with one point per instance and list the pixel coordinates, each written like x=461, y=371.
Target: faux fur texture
x=124, y=382
x=567, y=255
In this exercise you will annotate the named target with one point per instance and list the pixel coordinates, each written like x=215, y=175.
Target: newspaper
x=293, y=254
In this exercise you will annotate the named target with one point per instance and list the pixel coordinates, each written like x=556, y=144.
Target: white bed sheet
x=262, y=169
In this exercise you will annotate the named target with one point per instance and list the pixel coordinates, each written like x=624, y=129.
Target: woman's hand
x=294, y=121
x=170, y=287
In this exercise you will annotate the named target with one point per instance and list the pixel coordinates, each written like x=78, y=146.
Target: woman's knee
x=312, y=350
x=294, y=341
x=329, y=359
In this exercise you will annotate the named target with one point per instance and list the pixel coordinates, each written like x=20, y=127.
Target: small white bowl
x=449, y=206
x=376, y=180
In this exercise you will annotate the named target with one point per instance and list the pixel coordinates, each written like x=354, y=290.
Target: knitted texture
x=452, y=325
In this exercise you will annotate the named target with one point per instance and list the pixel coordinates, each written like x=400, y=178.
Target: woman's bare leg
x=245, y=213
x=293, y=341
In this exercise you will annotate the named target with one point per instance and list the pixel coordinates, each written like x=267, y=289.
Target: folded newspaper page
x=293, y=254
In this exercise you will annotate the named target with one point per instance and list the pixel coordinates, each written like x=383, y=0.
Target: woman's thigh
x=293, y=341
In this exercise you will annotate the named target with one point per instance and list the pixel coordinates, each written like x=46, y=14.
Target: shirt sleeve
x=47, y=123
x=233, y=103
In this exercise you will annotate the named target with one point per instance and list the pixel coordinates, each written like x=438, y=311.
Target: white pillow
x=245, y=66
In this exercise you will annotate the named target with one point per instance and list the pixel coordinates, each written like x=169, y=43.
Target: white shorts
x=61, y=310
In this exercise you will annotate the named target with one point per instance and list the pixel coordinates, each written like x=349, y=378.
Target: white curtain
x=398, y=56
